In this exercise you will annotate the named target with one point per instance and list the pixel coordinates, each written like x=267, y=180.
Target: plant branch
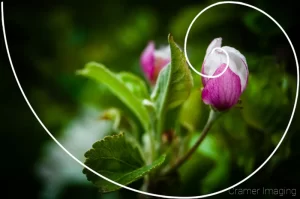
x=153, y=150
x=151, y=129
x=213, y=115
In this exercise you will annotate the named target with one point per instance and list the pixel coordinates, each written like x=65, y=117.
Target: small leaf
x=136, y=85
x=174, y=82
x=119, y=159
x=116, y=84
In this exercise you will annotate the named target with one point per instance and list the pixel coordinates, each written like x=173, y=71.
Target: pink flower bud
x=152, y=61
x=223, y=92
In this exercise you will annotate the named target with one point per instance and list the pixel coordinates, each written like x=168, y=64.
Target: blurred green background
x=49, y=41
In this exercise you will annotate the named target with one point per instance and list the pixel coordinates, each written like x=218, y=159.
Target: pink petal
x=222, y=92
x=147, y=60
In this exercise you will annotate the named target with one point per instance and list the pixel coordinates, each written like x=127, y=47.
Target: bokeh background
x=49, y=41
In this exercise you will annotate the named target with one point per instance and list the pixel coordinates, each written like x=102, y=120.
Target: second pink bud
x=154, y=60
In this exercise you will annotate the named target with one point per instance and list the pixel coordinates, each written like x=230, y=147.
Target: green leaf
x=119, y=159
x=174, y=82
x=135, y=84
x=116, y=84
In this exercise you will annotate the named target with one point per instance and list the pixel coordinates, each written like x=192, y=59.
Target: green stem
x=152, y=143
x=213, y=115
x=151, y=129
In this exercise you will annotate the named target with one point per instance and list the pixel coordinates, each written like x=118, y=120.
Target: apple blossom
x=153, y=60
x=223, y=92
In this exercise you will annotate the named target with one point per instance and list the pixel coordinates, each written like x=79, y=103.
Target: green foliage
x=208, y=169
x=235, y=146
x=135, y=84
x=174, y=103
x=210, y=18
x=269, y=98
x=174, y=83
x=173, y=100
x=260, y=24
x=192, y=116
x=119, y=159
x=116, y=84
x=193, y=172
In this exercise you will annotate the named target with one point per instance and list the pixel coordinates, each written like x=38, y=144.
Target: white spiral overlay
x=152, y=194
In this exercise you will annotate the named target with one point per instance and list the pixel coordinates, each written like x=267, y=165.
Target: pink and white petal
x=147, y=60
x=240, y=67
x=217, y=42
x=213, y=61
x=222, y=92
